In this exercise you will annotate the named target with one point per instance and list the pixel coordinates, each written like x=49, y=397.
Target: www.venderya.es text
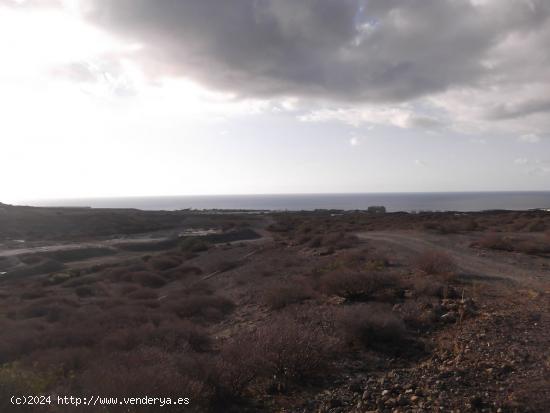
x=95, y=400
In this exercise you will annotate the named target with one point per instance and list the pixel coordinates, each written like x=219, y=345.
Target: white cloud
x=403, y=116
x=534, y=167
x=354, y=141
x=529, y=138
x=421, y=163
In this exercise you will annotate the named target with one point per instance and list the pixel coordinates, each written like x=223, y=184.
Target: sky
x=102, y=98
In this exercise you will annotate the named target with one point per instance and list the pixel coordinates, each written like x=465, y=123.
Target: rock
x=366, y=395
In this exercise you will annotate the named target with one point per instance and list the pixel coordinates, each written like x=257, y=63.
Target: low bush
x=146, y=371
x=179, y=335
x=495, y=242
x=43, y=267
x=202, y=307
x=182, y=272
x=429, y=287
x=53, y=309
x=232, y=371
x=418, y=315
x=85, y=291
x=20, y=337
x=193, y=245
x=533, y=247
x=537, y=226
x=145, y=279
x=17, y=381
x=162, y=263
x=34, y=294
x=73, y=282
x=372, y=326
x=143, y=294
x=435, y=263
x=228, y=265
x=288, y=351
x=355, y=285
x=282, y=295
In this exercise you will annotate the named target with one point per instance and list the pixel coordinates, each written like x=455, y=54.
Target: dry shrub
x=182, y=272
x=418, y=315
x=20, y=337
x=533, y=247
x=282, y=295
x=372, y=326
x=431, y=226
x=143, y=294
x=43, y=267
x=178, y=335
x=145, y=372
x=53, y=309
x=193, y=245
x=289, y=351
x=199, y=288
x=354, y=260
x=34, y=294
x=228, y=265
x=67, y=362
x=17, y=381
x=377, y=262
x=31, y=259
x=87, y=291
x=82, y=280
x=202, y=307
x=145, y=278
x=162, y=263
x=316, y=242
x=495, y=242
x=537, y=226
x=432, y=287
x=354, y=285
x=232, y=371
x=435, y=263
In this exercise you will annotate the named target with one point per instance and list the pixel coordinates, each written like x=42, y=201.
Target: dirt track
x=471, y=262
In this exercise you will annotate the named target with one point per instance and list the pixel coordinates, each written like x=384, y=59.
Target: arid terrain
x=324, y=311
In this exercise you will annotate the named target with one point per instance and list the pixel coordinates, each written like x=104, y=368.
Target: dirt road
x=471, y=262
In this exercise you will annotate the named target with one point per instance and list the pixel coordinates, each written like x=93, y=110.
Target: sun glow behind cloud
x=75, y=122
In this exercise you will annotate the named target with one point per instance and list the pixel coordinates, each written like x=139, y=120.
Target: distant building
x=376, y=209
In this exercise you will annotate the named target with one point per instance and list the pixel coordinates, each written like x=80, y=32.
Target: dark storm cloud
x=375, y=50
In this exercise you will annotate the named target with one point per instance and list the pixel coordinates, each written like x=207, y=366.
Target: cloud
x=375, y=51
x=534, y=167
x=401, y=116
x=354, y=141
x=521, y=161
x=421, y=163
x=353, y=61
x=529, y=138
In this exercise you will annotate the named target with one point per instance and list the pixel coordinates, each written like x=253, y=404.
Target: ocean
x=409, y=202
